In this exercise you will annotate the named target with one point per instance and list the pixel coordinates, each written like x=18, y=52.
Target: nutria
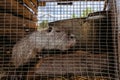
x=50, y=38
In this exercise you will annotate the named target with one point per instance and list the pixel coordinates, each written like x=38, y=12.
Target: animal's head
x=59, y=38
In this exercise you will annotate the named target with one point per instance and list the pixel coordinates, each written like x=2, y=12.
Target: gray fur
x=26, y=48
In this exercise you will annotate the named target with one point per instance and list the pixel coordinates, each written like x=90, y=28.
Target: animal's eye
x=58, y=31
x=49, y=29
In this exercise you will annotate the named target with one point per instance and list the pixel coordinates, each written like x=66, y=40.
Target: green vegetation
x=74, y=16
x=43, y=24
x=86, y=12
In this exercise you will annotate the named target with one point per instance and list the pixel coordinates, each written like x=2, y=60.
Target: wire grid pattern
x=94, y=57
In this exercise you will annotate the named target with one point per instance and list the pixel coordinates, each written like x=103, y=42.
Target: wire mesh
x=59, y=40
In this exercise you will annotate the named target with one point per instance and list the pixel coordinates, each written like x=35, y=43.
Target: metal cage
x=95, y=24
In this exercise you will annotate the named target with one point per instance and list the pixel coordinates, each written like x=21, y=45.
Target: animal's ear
x=49, y=29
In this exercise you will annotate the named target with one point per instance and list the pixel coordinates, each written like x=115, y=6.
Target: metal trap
x=94, y=24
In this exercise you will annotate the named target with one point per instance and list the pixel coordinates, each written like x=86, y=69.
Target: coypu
x=50, y=38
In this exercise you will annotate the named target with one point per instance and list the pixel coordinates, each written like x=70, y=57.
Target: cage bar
x=93, y=24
